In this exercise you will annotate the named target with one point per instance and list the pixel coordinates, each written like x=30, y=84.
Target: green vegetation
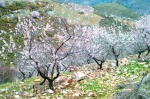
x=8, y=57
x=12, y=87
x=115, y=10
x=6, y=24
x=100, y=87
x=111, y=22
x=18, y=5
x=135, y=68
x=100, y=90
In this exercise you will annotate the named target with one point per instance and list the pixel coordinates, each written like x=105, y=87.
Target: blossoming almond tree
x=101, y=43
x=141, y=34
x=45, y=53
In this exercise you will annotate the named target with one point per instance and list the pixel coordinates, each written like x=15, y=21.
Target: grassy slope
x=61, y=10
x=116, y=10
x=103, y=86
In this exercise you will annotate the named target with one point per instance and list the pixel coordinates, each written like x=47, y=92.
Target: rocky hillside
x=49, y=9
x=88, y=82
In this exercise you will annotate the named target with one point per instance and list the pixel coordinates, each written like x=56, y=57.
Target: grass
x=62, y=10
x=115, y=10
x=135, y=68
x=103, y=86
x=12, y=87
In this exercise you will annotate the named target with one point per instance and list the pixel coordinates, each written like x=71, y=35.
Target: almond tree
x=141, y=35
x=101, y=43
x=45, y=46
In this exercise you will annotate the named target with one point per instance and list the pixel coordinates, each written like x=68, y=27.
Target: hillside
x=45, y=54
x=85, y=82
x=48, y=9
x=111, y=9
x=140, y=6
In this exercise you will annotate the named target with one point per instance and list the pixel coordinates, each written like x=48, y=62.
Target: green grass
x=135, y=68
x=12, y=87
x=111, y=22
x=103, y=87
x=100, y=90
x=116, y=10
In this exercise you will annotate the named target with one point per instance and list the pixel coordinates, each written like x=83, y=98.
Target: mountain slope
x=116, y=10
x=140, y=6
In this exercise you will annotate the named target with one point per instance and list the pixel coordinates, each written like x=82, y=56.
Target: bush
x=7, y=74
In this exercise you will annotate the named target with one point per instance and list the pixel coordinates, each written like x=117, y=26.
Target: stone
x=60, y=80
x=124, y=62
x=50, y=91
x=66, y=84
x=78, y=76
x=2, y=91
x=37, y=80
x=35, y=14
x=76, y=95
x=146, y=79
x=91, y=94
x=2, y=4
x=30, y=95
x=17, y=97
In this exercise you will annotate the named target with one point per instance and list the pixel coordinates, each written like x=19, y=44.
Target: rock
x=30, y=95
x=2, y=91
x=70, y=81
x=91, y=94
x=50, y=91
x=35, y=14
x=77, y=86
x=37, y=80
x=124, y=62
x=60, y=80
x=146, y=79
x=76, y=95
x=17, y=97
x=2, y=4
x=66, y=84
x=112, y=65
x=76, y=68
x=78, y=76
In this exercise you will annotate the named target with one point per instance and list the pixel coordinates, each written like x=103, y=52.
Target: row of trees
x=53, y=45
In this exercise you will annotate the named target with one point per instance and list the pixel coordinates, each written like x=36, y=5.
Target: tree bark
x=99, y=64
x=51, y=86
x=43, y=82
x=117, y=62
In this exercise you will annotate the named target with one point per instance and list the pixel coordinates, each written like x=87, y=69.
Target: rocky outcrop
x=2, y=4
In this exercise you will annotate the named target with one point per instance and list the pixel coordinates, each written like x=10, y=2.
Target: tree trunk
x=100, y=65
x=148, y=52
x=139, y=55
x=51, y=86
x=43, y=82
x=117, y=62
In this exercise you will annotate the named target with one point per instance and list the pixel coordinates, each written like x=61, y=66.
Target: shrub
x=7, y=74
